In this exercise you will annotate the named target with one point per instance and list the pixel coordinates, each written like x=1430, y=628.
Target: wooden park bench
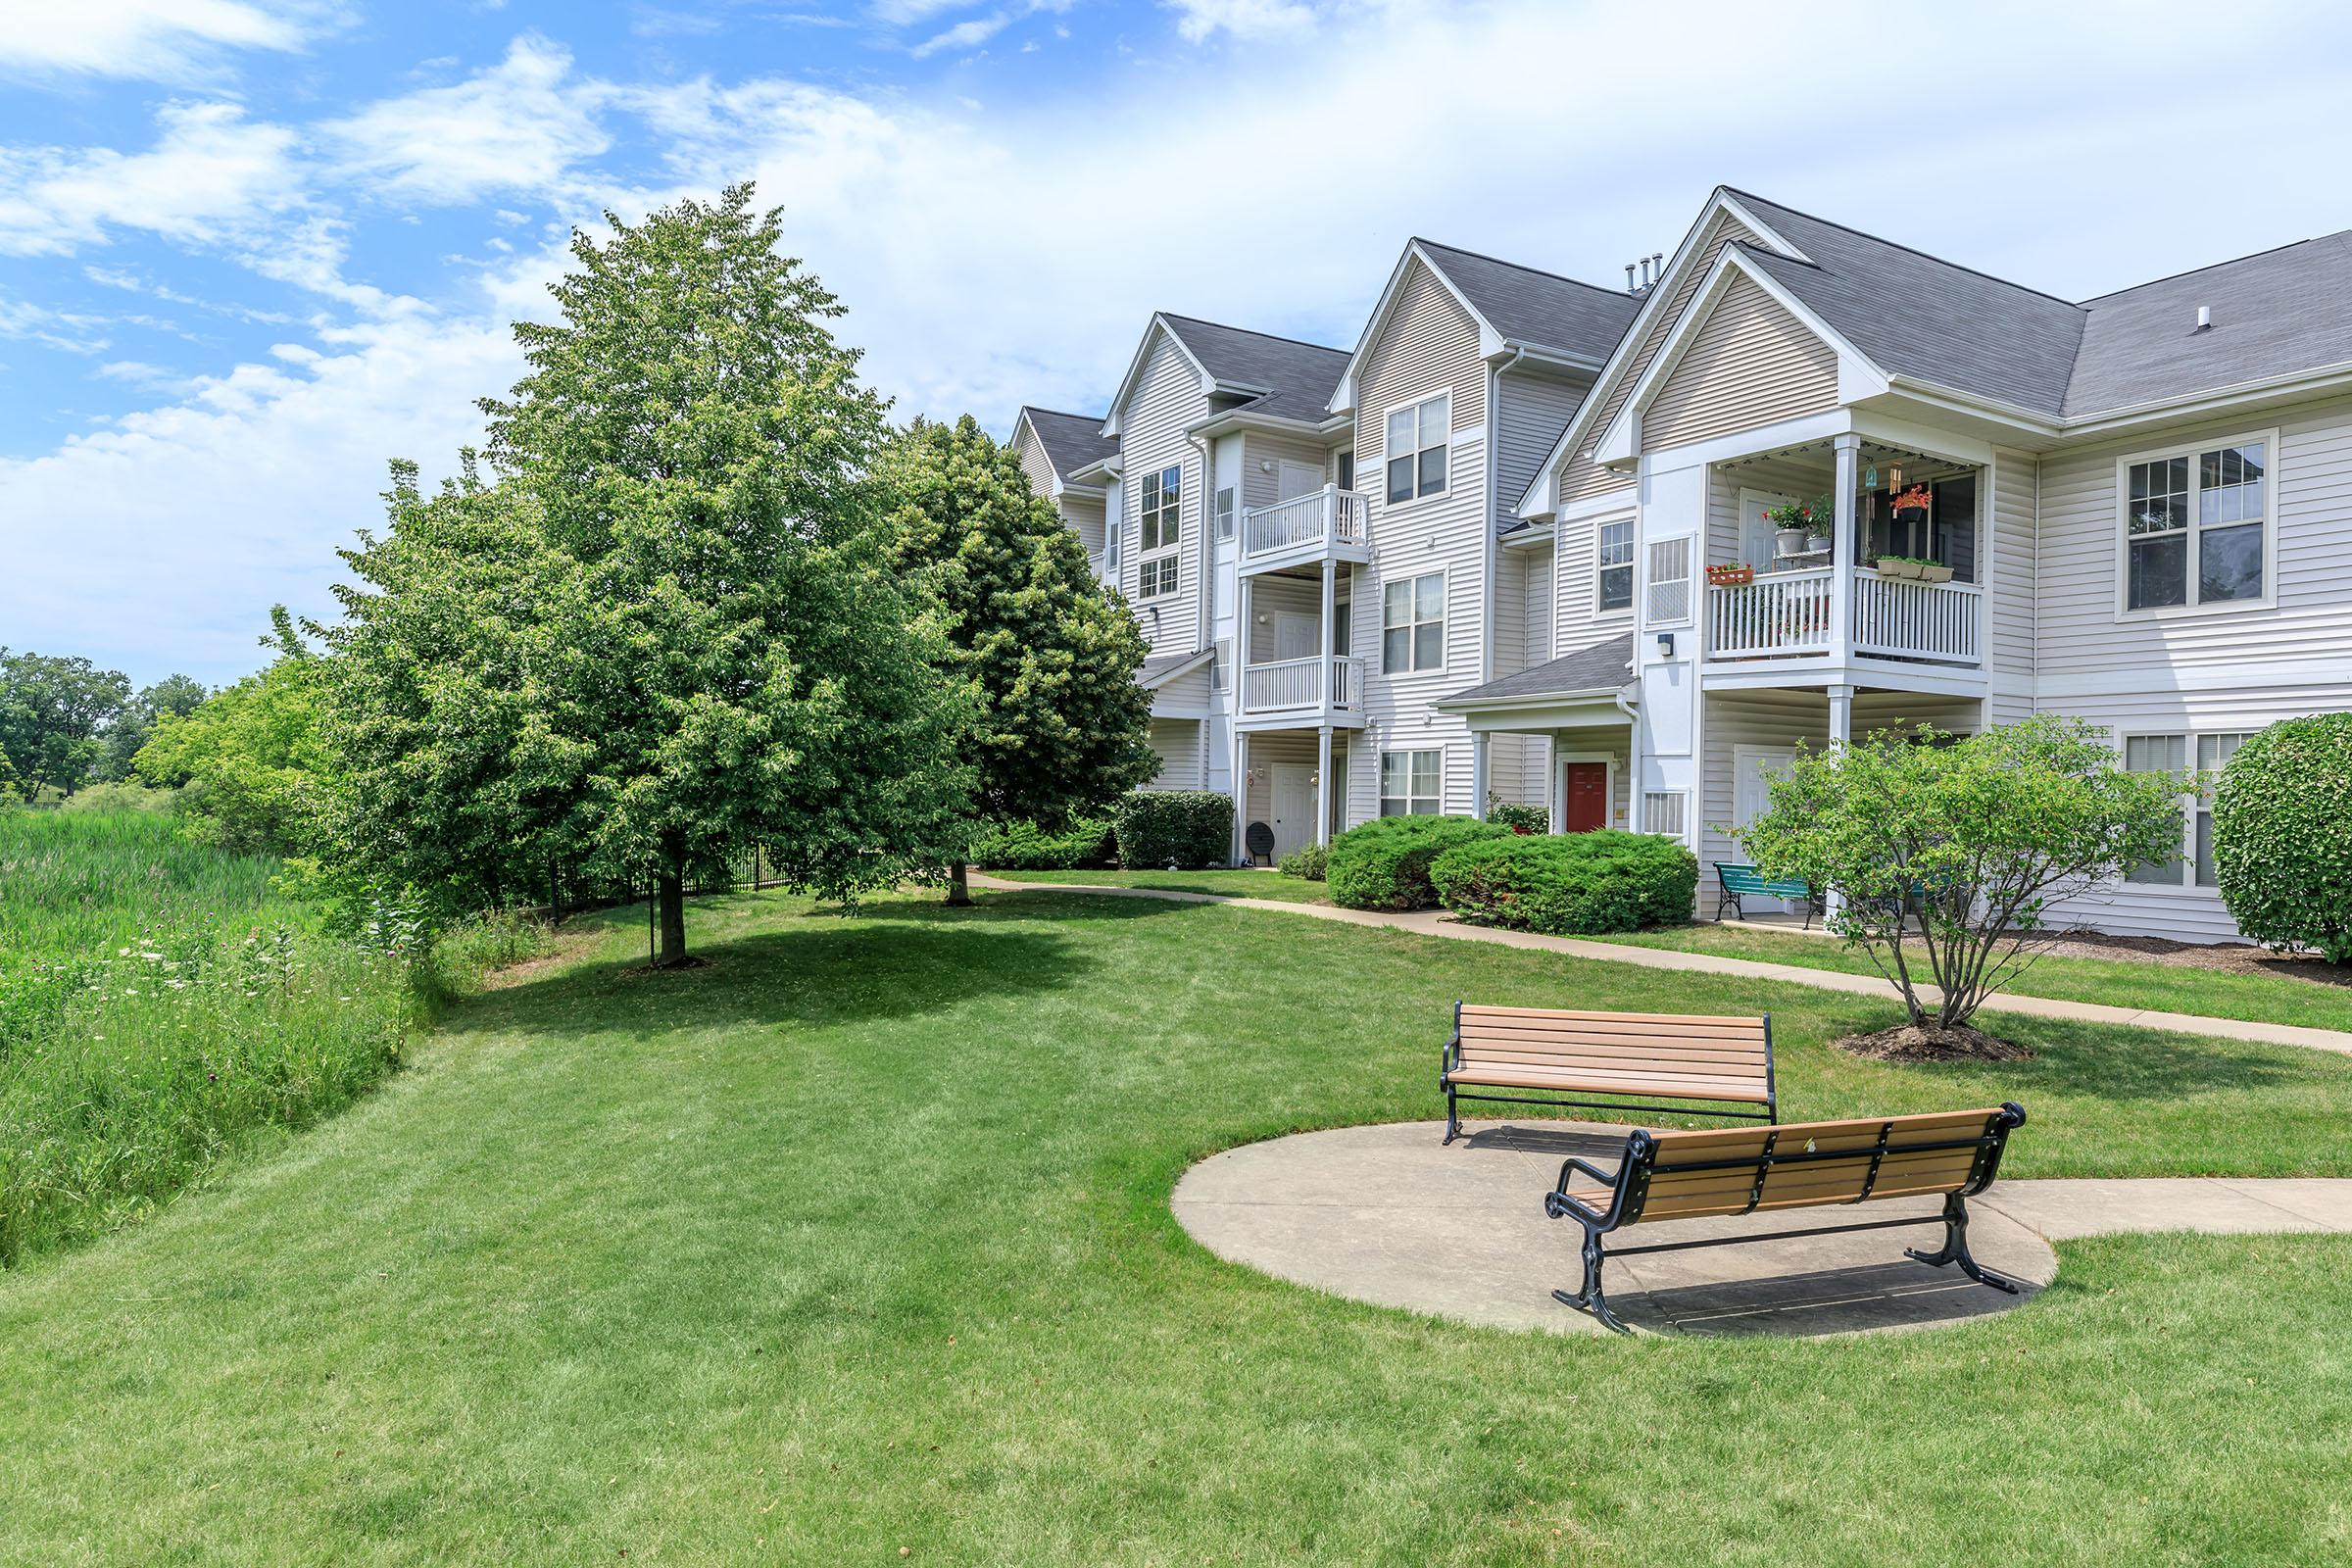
x=1736, y=880
x=1691, y=1175
x=1706, y=1063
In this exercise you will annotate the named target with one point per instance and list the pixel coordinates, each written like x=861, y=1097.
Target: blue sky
x=250, y=250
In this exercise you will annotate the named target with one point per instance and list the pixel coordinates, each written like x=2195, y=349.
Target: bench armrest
x=1452, y=1056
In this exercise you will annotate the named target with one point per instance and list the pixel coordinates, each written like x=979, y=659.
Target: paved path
x=1385, y=1214
x=1437, y=923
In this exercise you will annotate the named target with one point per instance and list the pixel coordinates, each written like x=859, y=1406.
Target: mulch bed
x=2234, y=958
x=1935, y=1042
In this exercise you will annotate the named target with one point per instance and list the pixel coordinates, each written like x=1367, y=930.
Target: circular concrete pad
x=1385, y=1214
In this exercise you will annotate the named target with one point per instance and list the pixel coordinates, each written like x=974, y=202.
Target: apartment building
x=1555, y=581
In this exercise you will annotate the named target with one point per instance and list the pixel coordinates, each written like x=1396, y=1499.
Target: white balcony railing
x=1327, y=516
x=1787, y=615
x=1909, y=619
x=1293, y=683
x=1779, y=614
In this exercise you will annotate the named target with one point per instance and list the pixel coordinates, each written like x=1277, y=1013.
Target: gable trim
x=1857, y=376
x=1490, y=342
x=1143, y=357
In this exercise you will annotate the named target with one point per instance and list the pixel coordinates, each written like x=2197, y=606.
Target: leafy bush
x=1026, y=847
x=1187, y=828
x=120, y=797
x=1312, y=863
x=2283, y=836
x=1518, y=819
x=1384, y=864
x=1569, y=883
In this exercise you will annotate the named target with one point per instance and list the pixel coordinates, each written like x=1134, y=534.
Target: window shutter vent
x=1668, y=580
x=1666, y=813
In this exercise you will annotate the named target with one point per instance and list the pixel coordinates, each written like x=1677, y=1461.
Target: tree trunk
x=959, y=889
x=673, y=917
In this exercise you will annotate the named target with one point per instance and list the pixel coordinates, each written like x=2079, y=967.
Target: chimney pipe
x=1628, y=280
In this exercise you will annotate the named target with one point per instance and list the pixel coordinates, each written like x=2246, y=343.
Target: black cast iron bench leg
x=1955, y=1249
x=1588, y=1299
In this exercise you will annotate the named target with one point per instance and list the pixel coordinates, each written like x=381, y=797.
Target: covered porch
x=1292, y=783
x=1559, y=733
x=1846, y=549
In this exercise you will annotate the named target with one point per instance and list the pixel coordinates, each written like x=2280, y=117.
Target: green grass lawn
x=2115, y=982
x=1232, y=884
x=858, y=1240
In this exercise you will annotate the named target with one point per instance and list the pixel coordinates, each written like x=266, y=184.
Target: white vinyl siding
x=1412, y=783
x=1164, y=399
x=1581, y=476
x=1749, y=363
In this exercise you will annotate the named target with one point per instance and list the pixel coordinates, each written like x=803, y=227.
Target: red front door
x=1587, y=797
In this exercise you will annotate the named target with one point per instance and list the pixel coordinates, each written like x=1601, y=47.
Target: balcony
x=1326, y=524
x=1304, y=688
x=1785, y=614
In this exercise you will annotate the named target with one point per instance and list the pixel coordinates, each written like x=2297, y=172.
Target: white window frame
x=1442, y=395
x=1156, y=561
x=1602, y=526
x=1445, y=576
x=2192, y=451
x=1379, y=782
x=1227, y=506
x=2193, y=802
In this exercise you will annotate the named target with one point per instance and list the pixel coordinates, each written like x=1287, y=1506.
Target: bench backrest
x=1738, y=877
x=1659, y=1046
x=1683, y=1175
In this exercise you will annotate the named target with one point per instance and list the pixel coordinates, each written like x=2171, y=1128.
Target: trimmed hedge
x=2283, y=836
x=1187, y=828
x=1569, y=883
x=1384, y=864
x=1026, y=847
x=1312, y=863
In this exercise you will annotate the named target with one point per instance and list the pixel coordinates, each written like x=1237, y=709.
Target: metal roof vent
x=2204, y=317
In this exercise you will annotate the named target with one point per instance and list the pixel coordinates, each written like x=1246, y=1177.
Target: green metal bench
x=1738, y=880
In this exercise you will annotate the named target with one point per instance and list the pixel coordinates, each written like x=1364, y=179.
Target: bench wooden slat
x=1481, y=1049
x=1744, y=1091
x=1472, y=1009
x=1724, y=1061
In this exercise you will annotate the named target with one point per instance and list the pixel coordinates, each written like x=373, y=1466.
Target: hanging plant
x=1916, y=499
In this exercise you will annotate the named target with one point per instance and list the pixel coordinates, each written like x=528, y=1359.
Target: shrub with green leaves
x=1568, y=884
x=2283, y=836
x=1518, y=819
x=1384, y=864
x=1312, y=863
x=1027, y=847
x=1187, y=828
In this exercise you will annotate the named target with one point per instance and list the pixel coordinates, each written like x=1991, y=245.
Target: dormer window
x=1417, y=437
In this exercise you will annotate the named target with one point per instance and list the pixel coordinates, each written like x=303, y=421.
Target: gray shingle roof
x=1301, y=378
x=1162, y=666
x=1604, y=667
x=1072, y=441
x=2275, y=314
x=1541, y=309
x=1916, y=316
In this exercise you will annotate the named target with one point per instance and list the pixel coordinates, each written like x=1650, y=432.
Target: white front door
x=1756, y=547
x=1295, y=480
x=1293, y=822
x=1753, y=767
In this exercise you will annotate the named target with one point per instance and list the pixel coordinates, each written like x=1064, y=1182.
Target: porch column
x=1240, y=795
x=1841, y=732
x=1845, y=547
x=1477, y=774
x=1557, y=796
x=1330, y=663
x=1323, y=758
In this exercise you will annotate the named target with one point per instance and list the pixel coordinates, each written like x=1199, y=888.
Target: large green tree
x=250, y=757
x=684, y=640
x=52, y=710
x=172, y=696
x=1050, y=655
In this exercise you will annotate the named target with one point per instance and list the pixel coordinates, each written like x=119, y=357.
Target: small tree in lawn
x=707, y=650
x=1051, y=656
x=1976, y=838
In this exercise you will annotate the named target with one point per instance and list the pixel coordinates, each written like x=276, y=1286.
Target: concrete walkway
x=1437, y=923
x=1386, y=1215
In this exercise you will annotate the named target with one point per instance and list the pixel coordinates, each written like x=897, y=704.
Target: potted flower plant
x=1912, y=568
x=1731, y=576
x=1817, y=532
x=1795, y=521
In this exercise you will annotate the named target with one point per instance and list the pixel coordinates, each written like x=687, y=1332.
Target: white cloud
x=520, y=126
x=211, y=174
x=979, y=29
x=72, y=331
x=1243, y=19
x=161, y=40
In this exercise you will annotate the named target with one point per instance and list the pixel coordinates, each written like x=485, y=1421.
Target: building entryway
x=1586, y=794
x=1752, y=769
x=1293, y=822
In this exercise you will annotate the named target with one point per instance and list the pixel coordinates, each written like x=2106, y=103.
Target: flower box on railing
x=1731, y=576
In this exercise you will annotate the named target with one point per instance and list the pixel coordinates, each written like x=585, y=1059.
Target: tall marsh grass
x=159, y=1001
